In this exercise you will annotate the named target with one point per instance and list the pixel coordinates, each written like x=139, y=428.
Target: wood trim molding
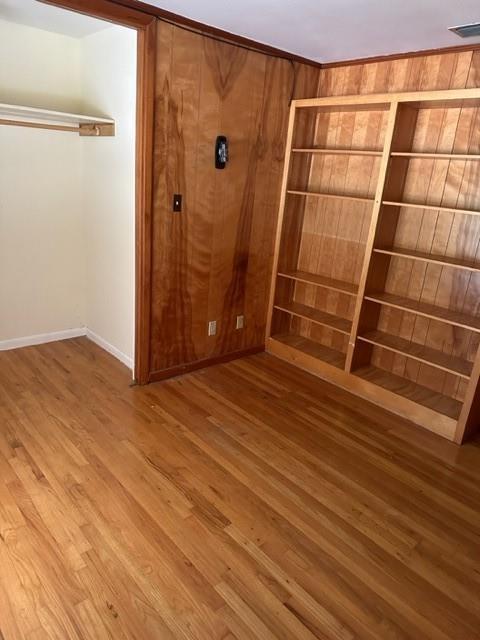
x=145, y=24
x=146, y=60
x=179, y=370
x=109, y=10
x=400, y=56
x=205, y=29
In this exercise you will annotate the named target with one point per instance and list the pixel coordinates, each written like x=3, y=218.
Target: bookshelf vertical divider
x=366, y=281
x=387, y=145
x=283, y=195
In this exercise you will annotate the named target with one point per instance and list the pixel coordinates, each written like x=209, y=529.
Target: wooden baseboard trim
x=157, y=376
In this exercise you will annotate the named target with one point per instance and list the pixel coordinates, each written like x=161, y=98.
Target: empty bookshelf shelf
x=313, y=349
x=431, y=207
x=315, y=315
x=435, y=156
x=445, y=261
x=321, y=281
x=419, y=352
x=427, y=310
x=340, y=152
x=411, y=391
x=332, y=196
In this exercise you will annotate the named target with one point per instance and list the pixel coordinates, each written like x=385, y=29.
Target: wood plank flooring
x=245, y=501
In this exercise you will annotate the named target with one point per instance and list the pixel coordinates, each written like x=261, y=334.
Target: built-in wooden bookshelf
x=377, y=257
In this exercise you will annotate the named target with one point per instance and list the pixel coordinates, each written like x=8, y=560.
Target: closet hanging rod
x=91, y=130
x=37, y=125
x=35, y=118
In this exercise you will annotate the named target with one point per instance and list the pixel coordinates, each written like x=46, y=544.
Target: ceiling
x=42, y=16
x=332, y=30
x=322, y=30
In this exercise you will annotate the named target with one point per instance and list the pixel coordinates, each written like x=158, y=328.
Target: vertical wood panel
x=213, y=260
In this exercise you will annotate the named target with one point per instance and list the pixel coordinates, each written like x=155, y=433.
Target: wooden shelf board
x=321, y=281
x=446, y=261
x=440, y=99
x=436, y=156
x=339, y=152
x=431, y=207
x=314, y=349
x=427, y=310
x=333, y=196
x=421, y=353
x=411, y=390
x=14, y=112
x=315, y=315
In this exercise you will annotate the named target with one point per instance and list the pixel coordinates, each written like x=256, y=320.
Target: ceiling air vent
x=467, y=30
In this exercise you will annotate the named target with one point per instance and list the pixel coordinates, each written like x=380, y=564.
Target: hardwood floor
x=245, y=501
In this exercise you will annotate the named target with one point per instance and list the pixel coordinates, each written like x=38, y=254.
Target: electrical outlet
x=240, y=322
x=212, y=327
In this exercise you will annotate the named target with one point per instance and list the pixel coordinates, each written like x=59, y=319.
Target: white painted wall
x=67, y=203
x=109, y=88
x=39, y=68
x=42, y=240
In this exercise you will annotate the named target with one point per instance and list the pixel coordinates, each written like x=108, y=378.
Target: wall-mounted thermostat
x=221, y=152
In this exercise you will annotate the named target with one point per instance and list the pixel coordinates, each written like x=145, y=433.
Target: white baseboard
x=127, y=361
x=29, y=341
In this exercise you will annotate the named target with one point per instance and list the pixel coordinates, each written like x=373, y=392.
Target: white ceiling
x=43, y=16
x=322, y=30
x=331, y=30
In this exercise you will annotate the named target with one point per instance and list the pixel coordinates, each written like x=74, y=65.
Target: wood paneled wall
x=417, y=73
x=213, y=260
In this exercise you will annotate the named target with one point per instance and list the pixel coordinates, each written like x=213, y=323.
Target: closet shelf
x=446, y=261
x=419, y=352
x=431, y=207
x=435, y=156
x=31, y=117
x=314, y=349
x=333, y=196
x=321, y=281
x=315, y=315
x=339, y=152
x=427, y=310
x=411, y=390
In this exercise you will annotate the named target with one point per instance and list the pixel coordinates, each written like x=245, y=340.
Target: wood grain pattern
x=247, y=501
x=213, y=261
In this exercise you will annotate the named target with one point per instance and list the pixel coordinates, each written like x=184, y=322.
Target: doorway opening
x=75, y=179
